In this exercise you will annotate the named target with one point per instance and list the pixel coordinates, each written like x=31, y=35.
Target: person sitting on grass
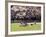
x=24, y=23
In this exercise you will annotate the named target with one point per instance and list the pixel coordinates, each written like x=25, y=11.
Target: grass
x=17, y=27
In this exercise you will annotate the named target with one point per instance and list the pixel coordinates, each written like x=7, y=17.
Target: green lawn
x=17, y=27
